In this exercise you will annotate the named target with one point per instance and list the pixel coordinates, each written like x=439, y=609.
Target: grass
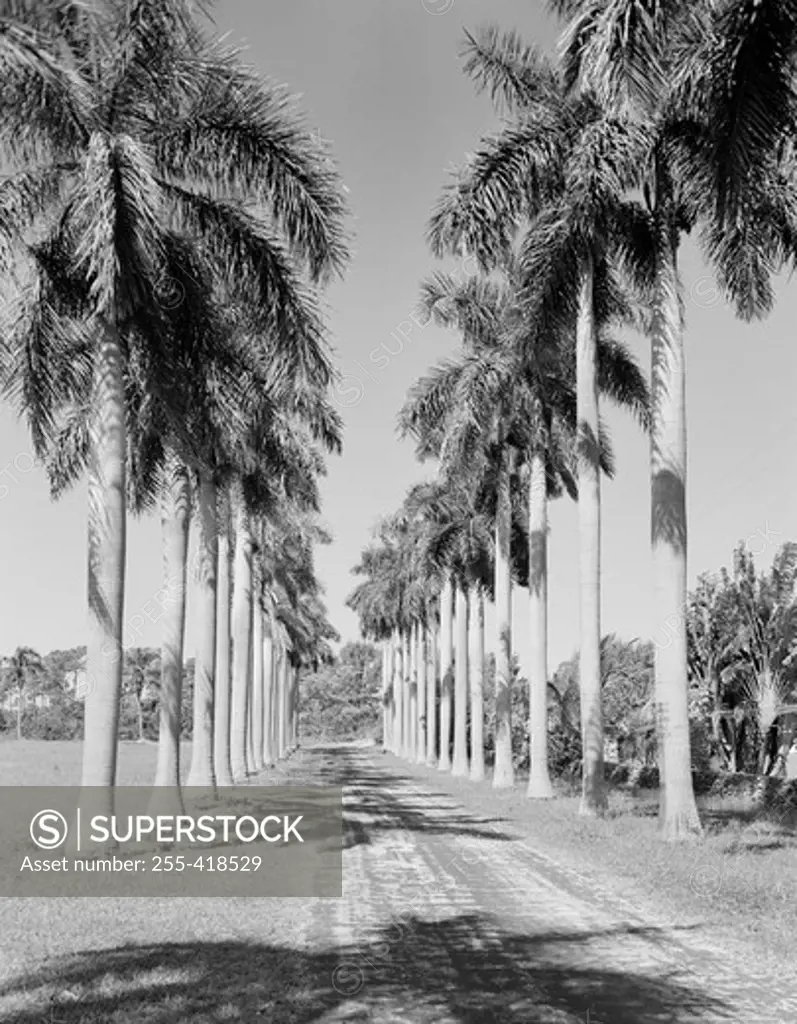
x=142, y=960
x=739, y=879
x=58, y=763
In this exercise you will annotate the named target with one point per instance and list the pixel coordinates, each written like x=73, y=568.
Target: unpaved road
x=445, y=918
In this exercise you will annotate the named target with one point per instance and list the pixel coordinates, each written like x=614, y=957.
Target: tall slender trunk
x=202, y=770
x=421, y=666
x=446, y=672
x=406, y=676
x=291, y=704
x=106, y=571
x=504, y=771
x=392, y=669
x=431, y=695
x=250, y=685
x=476, y=674
x=593, y=790
x=459, y=765
x=284, y=702
x=413, y=708
x=268, y=695
x=278, y=702
x=387, y=670
x=223, y=682
x=678, y=817
x=175, y=523
x=241, y=642
x=398, y=697
x=295, y=707
x=258, y=682
x=539, y=785
x=140, y=721
x=19, y=717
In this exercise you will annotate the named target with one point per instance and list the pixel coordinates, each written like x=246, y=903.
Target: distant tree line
x=42, y=696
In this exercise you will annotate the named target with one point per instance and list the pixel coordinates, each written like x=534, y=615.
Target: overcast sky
x=383, y=82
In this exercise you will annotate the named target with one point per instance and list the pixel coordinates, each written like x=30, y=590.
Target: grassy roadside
x=740, y=880
x=145, y=960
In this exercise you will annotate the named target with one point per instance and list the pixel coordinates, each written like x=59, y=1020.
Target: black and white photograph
x=398, y=526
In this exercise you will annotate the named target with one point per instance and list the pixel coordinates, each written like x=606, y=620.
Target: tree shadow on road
x=464, y=969
x=381, y=809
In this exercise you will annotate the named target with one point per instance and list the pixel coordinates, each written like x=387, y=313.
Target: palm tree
x=301, y=627
x=476, y=671
x=736, y=72
x=222, y=762
x=690, y=172
x=449, y=396
x=459, y=764
x=453, y=537
x=19, y=670
x=422, y=665
x=377, y=602
x=208, y=140
x=764, y=642
x=141, y=674
x=241, y=639
x=175, y=520
x=560, y=167
x=205, y=582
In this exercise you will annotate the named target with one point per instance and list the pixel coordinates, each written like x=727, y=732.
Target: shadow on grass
x=462, y=969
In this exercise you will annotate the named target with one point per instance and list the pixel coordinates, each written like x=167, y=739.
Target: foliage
x=742, y=632
x=342, y=701
x=53, y=712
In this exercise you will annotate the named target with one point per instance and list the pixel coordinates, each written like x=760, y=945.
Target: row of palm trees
x=167, y=221
x=655, y=120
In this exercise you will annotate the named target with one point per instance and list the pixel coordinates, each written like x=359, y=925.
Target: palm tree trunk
x=286, y=722
x=539, y=786
x=398, y=702
x=387, y=668
x=291, y=705
x=223, y=682
x=106, y=576
x=446, y=672
x=295, y=702
x=19, y=717
x=504, y=771
x=476, y=673
x=406, y=683
x=413, y=709
x=250, y=686
x=278, y=700
x=431, y=696
x=241, y=642
x=460, y=762
x=202, y=772
x=593, y=790
x=258, y=684
x=678, y=817
x=140, y=717
x=421, y=660
x=284, y=703
x=175, y=524
x=268, y=696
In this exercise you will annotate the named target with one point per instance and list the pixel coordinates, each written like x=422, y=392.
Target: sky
x=383, y=82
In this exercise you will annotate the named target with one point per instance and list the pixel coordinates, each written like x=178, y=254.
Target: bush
x=62, y=720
